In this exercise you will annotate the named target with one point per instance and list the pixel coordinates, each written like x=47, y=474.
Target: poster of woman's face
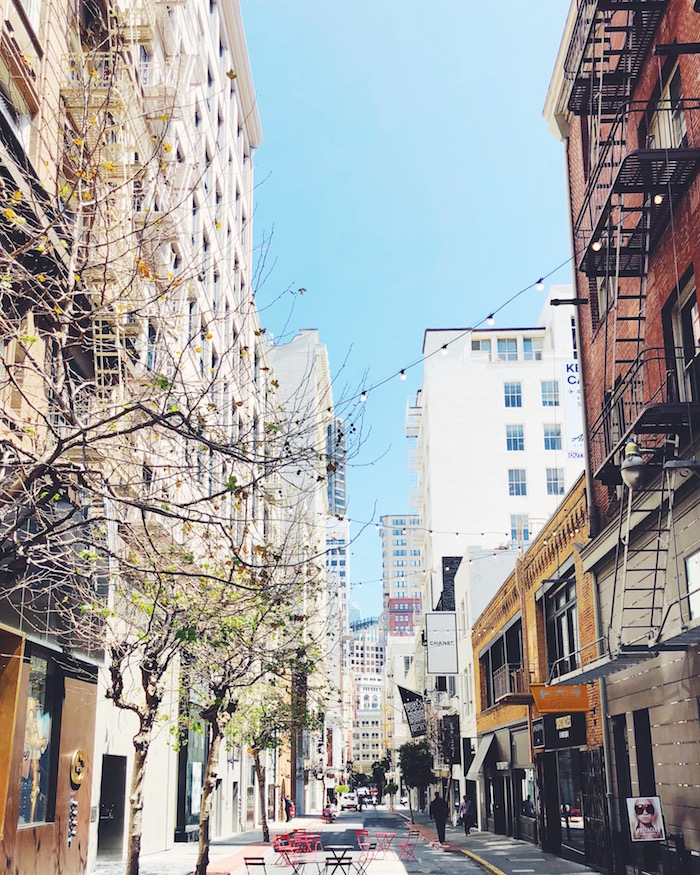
x=646, y=822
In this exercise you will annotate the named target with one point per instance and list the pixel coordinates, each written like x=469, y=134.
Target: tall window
x=552, y=437
x=519, y=527
x=532, y=349
x=550, y=393
x=562, y=629
x=555, y=481
x=517, y=484
x=515, y=437
x=668, y=128
x=513, y=394
x=507, y=349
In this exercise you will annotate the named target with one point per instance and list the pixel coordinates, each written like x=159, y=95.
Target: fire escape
x=643, y=158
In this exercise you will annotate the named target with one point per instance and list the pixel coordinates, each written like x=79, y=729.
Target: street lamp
x=633, y=467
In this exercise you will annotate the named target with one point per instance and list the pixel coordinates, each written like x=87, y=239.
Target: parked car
x=348, y=802
x=404, y=800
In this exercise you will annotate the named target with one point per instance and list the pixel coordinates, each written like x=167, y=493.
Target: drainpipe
x=592, y=508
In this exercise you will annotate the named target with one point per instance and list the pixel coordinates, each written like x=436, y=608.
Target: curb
x=488, y=866
x=430, y=836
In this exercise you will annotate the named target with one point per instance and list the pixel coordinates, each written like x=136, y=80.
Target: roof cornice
x=241, y=64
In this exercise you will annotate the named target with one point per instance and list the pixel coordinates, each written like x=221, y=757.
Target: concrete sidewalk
x=499, y=855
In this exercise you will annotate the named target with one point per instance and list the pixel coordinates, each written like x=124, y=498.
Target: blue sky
x=409, y=182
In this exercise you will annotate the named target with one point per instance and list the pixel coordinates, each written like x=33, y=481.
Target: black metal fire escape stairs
x=626, y=209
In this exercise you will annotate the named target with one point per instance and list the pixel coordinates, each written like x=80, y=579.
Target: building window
x=561, y=629
x=516, y=481
x=513, y=393
x=502, y=666
x=552, y=437
x=507, y=349
x=515, y=437
x=519, y=527
x=550, y=393
x=555, y=481
x=532, y=349
x=40, y=760
x=481, y=346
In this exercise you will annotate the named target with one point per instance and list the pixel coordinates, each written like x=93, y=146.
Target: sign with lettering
x=441, y=639
x=572, y=410
x=414, y=707
x=555, y=733
x=559, y=698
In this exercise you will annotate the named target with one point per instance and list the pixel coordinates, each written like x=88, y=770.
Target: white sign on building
x=441, y=639
x=572, y=410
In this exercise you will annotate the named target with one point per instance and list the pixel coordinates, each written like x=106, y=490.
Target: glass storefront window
x=36, y=777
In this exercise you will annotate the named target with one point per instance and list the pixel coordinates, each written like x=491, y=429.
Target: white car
x=404, y=800
x=348, y=802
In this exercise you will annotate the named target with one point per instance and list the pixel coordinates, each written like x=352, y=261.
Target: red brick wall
x=676, y=251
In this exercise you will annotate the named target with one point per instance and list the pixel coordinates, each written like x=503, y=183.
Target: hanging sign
x=441, y=640
x=571, y=404
x=560, y=699
x=414, y=706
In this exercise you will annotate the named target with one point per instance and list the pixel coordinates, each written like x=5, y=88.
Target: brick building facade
x=625, y=101
x=540, y=773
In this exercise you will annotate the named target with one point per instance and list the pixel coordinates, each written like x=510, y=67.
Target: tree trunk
x=260, y=775
x=208, y=785
x=410, y=805
x=142, y=742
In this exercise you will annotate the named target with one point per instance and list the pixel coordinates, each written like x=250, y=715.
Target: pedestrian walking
x=438, y=811
x=466, y=814
x=287, y=808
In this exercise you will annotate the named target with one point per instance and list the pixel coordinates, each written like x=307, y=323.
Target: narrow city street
x=460, y=855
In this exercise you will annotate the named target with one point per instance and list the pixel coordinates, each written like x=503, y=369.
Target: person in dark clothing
x=438, y=811
x=288, y=808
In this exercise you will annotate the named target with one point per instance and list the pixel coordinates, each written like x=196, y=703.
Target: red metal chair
x=407, y=848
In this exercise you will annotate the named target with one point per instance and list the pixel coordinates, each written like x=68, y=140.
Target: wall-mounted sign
x=645, y=819
x=441, y=640
x=560, y=699
x=502, y=766
x=556, y=732
x=78, y=765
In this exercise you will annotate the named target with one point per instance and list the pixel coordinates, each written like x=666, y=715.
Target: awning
x=481, y=752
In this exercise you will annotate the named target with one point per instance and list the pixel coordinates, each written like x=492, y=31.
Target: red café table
x=384, y=840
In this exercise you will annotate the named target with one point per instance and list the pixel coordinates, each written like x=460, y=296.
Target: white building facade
x=495, y=441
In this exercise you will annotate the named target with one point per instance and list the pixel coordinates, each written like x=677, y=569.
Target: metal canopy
x=482, y=752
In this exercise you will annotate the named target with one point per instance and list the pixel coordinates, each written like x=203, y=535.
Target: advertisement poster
x=645, y=819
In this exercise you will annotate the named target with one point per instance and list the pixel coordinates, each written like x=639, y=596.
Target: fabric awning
x=481, y=752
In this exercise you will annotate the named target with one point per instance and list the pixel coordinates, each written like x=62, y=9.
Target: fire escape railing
x=656, y=377
x=607, y=49
x=650, y=150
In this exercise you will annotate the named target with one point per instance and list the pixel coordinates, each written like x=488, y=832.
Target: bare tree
x=148, y=472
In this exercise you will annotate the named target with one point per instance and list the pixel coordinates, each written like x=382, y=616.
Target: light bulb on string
x=490, y=319
x=402, y=374
x=363, y=397
x=539, y=285
x=444, y=349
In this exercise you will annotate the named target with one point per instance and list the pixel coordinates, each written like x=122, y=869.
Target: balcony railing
x=508, y=680
x=619, y=30
x=659, y=394
x=650, y=155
